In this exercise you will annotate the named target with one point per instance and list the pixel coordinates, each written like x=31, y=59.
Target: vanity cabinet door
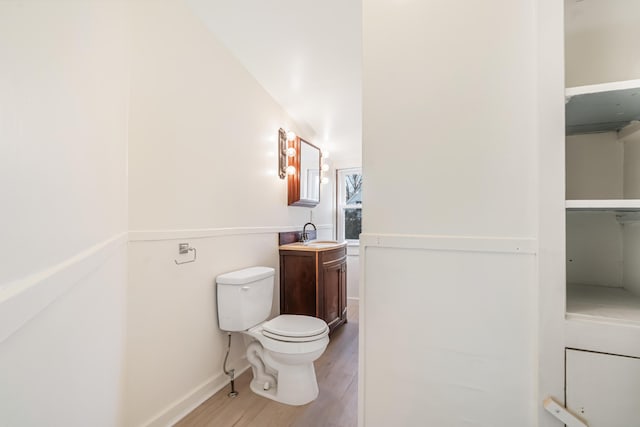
x=298, y=283
x=332, y=278
x=343, y=291
x=333, y=267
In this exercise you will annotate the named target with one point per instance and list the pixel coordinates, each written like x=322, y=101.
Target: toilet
x=283, y=349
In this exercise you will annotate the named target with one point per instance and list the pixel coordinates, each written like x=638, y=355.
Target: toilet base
x=258, y=388
x=291, y=375
x=296, y=386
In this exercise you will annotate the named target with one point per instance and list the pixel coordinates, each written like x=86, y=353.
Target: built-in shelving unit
x=603, y=234
x=602, y=201
x=603, y=206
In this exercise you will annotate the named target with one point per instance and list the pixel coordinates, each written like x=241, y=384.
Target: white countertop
x=313, y=246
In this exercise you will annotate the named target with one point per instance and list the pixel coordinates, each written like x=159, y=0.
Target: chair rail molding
x=23, y=299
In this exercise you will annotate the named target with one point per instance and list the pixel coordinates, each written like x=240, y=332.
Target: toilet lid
x=295, y=326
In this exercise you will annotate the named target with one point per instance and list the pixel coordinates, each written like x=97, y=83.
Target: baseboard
x=183, y=406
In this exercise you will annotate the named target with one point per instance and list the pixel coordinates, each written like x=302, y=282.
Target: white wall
x=203, y=133
x=63, y=111
x=600, y=41
x=631, y=270
x=632, y=168
x=631, y=234
x=203, y=170
x=63, y=132
x=455, y=344
x=594, y=166
x=594, y=249
x=353, y=272
x=64, y=367
x=174, y=347
x=456, y=174
x=451, y=221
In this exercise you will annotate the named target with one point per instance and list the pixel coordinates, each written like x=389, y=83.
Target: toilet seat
x=295, y=328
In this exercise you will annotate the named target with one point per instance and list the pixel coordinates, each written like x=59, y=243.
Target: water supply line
x=231, y=372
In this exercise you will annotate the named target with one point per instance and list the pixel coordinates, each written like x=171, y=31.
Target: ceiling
x=307, y=54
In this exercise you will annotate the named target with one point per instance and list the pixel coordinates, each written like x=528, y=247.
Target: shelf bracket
x=627, y=217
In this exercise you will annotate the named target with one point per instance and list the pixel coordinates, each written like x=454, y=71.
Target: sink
x=321, y=242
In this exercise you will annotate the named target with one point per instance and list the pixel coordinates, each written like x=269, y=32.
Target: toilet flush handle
x=245, y=288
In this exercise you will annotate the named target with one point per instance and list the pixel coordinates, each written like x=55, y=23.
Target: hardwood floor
x=336, y=406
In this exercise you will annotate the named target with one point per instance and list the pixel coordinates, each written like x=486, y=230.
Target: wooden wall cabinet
x=303, y=187
x=314, y=283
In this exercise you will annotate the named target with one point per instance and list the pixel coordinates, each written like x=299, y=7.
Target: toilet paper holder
x=184, y=248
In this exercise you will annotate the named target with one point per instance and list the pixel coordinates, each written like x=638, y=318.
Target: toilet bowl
x=290, y=355
x=283, y=349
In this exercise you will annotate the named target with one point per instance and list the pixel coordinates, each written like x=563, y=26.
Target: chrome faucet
x=305, y=237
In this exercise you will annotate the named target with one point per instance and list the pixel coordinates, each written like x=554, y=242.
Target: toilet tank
x=244, y=297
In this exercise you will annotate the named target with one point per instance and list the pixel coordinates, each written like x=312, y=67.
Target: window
x=349, y=206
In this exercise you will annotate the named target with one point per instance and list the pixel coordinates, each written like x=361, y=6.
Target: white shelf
x=606, y=205
x=603, y=319
x=601, y=303
x=602, y=87
x=602, y=108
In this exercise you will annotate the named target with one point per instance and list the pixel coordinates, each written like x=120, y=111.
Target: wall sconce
x=324, y=168
x=282, y=153
x=285, y=151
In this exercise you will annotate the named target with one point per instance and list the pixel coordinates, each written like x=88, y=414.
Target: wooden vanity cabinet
x=314, y=283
